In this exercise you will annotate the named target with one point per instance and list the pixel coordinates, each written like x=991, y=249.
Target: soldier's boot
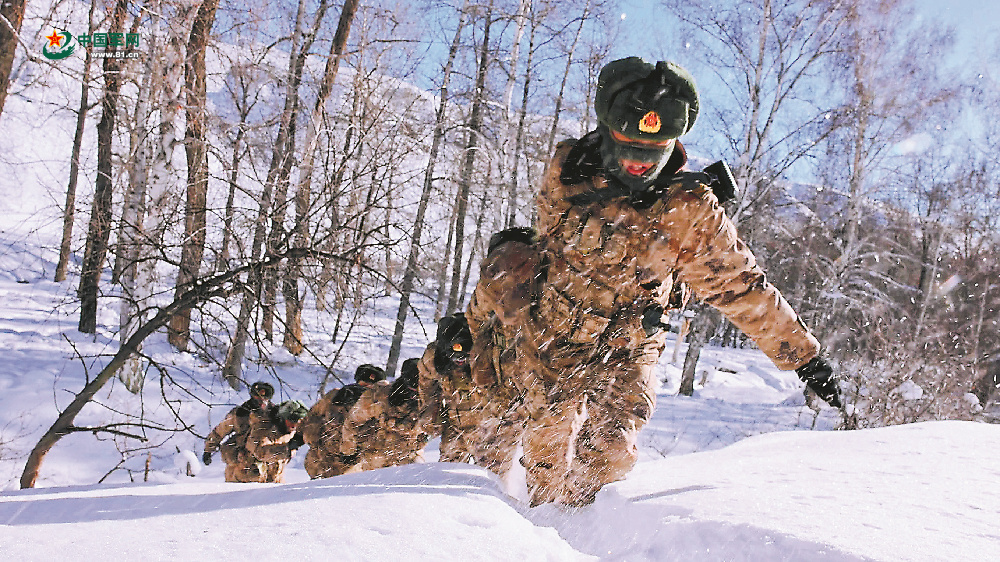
x=549, y=442
x=605, y=452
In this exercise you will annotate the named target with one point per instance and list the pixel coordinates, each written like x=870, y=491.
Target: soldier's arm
x=219, y=433
x=430, y=393
x=723, y=272
x=360, y=413
x=311, y=427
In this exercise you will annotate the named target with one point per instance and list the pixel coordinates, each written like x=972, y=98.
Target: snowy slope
x=919, y=492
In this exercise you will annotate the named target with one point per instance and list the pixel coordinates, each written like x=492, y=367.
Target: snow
x=732, y=473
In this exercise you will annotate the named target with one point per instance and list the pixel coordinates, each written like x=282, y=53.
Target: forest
x=246, y=176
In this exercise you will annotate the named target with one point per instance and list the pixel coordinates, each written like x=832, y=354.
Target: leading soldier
x=580, y=306
x=237, y=423
x=271, y=443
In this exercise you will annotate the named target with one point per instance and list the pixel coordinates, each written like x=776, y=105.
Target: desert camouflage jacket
x=606, y=257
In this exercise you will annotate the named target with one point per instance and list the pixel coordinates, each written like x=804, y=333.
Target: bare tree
x=475, y=125
x=11, y=18
x=193, y=248
x=69, y=211
x=100, y=214
x=437, y=138
x=303, y=204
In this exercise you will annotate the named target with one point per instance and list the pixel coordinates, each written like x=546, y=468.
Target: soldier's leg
x=549, y=444
x=606, y=446
x=497, y=438
x=453, y=446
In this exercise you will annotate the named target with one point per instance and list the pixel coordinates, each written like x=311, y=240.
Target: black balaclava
x=646, y=103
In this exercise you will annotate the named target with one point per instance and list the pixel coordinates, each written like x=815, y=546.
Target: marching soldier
x=579, y=307
x=237, y=424
x=271, y=443
x=383, y=427
x=321, y=429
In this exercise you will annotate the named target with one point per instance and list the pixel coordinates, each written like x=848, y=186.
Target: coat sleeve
x=430, y=393
x=723, y=272
x=266, y=444
x=311, y=427
x=362, y=411
x=219, y=433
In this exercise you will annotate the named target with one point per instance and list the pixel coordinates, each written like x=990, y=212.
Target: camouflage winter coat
x=381, y=434
x=449, y=398
x=268, y=449
x=603, y=258
x=321, y=430
x=237, y=423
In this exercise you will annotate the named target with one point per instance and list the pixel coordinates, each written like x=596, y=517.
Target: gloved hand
x=819, y=377
x=296, y=442
x=206, y=458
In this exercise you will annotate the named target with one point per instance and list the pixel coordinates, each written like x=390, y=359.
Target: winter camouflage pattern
x=566, y=313
x=462, y=412
x=267, y=450
x=321, y=430
x=237, y=424
x=380, y=434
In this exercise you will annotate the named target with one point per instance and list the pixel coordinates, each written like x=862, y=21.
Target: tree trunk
x=278, y=237
x=69, y=213
x=469, y=164
x=100, y=213
x=11, y=18
x=303, y=195
x=565, y=78
x=132, y=231
x=409, y=276
x=519, y=135
x=701, y=328
x=193, y=248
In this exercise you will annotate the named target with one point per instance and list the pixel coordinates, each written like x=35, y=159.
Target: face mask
x=613, y=152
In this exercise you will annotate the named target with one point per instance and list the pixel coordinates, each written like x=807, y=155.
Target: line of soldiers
x=365, y=425
x=564, y=328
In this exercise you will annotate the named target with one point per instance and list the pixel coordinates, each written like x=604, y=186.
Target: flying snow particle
x=623, y=16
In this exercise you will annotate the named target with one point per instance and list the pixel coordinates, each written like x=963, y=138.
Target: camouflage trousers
x=578, y=432
x=579, y=405
x=321, y=463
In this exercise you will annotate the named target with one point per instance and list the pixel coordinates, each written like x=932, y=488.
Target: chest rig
x=595, y=289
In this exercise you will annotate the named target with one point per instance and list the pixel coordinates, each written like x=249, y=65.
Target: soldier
x=383, y=428
x=237, y=423
x=321, y=429
x=271, y=443
x=452, y=405
x=580, y=306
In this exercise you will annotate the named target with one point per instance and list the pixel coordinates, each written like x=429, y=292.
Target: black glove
x=296, y=442
x=819, y=377
x=206, y=458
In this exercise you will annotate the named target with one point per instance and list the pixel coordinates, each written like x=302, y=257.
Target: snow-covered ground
x=736, y=472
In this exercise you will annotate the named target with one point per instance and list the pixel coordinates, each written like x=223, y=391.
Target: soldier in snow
x=383, y=427
x=271, y=443
x=321, y=429
x=452, y=404
x=579, y=307
x=237, y=423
